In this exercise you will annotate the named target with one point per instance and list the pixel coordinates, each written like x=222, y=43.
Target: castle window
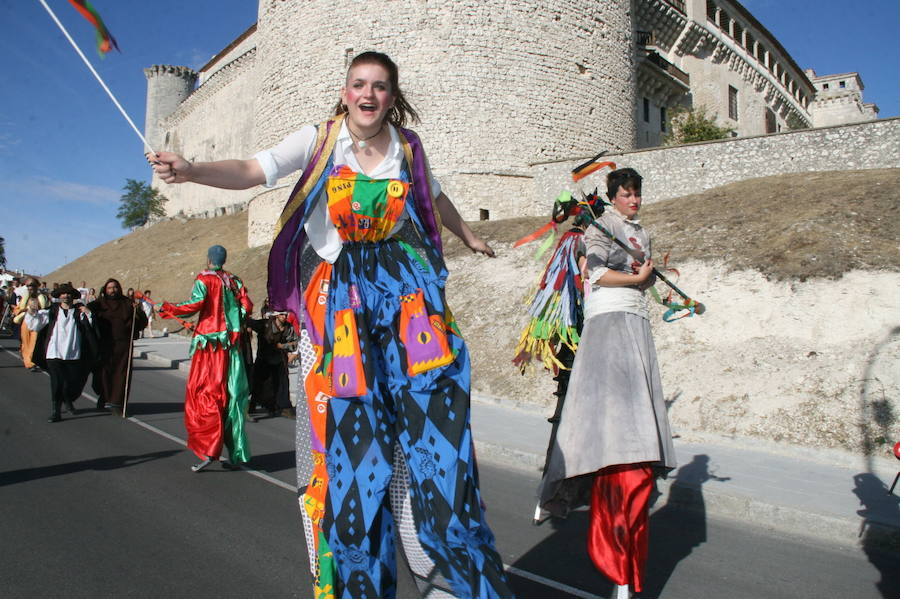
x=824, y=86
x=842, y=84
x=646, y=110
x=725, y=22
x=738, y=33
x=771, y=122
x=662, y=118
x=732, y=103
x=484, y=214
x=711, y=10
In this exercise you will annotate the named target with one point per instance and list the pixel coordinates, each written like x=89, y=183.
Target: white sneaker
x=201, y=465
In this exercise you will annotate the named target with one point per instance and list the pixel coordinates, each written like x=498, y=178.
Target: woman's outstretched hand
x=170, y=167
x=479, y=245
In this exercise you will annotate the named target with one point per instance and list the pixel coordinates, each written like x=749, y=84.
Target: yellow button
x=395, y=189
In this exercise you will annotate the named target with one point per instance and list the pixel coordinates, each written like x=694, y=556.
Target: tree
x=688, y=125
x=2, y=253
x=139, y=204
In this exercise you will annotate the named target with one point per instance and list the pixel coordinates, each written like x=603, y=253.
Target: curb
x=183, y=365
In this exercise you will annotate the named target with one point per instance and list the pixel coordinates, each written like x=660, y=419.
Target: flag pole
x=96, y=75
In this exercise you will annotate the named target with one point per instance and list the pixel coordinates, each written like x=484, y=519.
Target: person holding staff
x=358, y=257
x=614, y=431
x=119, y=322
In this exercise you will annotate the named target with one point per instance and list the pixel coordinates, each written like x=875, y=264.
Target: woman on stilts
x=357, y=257
x=613, y=435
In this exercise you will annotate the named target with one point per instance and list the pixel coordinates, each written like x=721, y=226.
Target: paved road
x=98, y=506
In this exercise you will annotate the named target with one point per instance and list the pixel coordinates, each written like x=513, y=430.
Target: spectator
x=276, y=340
x=149, y=311
x=27, y=336
x=66, y=345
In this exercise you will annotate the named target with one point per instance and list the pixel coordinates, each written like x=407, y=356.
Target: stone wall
x=681, y=170
x=215, y=122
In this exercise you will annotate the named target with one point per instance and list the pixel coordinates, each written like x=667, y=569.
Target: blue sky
x=65, y=151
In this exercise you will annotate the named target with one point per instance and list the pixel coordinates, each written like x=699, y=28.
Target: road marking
x=551, y=583
x=279, y=483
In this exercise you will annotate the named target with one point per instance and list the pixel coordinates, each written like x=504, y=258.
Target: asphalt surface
x=100, y=506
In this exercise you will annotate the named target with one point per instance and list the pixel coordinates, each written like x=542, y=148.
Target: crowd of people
x=99, y=340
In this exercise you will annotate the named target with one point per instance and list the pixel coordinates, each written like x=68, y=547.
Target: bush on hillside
x=688, y=125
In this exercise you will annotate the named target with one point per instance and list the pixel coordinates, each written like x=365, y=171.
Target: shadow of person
x=275, y=462
x=13, y=477
x=881, y=512
x=679, y=526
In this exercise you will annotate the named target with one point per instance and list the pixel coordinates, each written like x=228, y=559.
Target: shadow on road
x=879, y=510
x=108, y=463
x=679, y=526
x=676, y=529
x=274, y=462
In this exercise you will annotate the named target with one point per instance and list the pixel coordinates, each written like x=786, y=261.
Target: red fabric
x=618, y=535
x=205, y=400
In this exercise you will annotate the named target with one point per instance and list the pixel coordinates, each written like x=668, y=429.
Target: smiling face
x=368, y=97
x=627, y=201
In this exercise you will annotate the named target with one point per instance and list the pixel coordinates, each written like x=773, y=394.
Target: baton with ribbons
x=692, y=305
x=596, y=206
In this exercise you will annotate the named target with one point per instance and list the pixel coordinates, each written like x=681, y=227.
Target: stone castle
x=506, y=90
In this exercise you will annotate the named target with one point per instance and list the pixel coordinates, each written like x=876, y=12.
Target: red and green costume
x=217, y=390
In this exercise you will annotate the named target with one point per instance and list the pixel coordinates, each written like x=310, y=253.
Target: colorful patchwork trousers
x=392, y=453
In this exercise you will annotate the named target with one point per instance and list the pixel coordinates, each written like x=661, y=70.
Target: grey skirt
x=614, y=412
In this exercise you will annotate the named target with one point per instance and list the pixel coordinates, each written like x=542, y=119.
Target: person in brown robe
x=119, y=320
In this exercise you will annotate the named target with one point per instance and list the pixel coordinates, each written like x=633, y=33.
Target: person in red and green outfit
x=217, y=389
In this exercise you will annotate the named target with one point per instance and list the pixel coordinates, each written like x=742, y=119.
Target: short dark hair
x=623, y=177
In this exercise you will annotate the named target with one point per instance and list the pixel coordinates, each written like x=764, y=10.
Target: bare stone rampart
x=671, y=172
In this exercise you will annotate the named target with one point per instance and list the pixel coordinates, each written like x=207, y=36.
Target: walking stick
x=130, y=356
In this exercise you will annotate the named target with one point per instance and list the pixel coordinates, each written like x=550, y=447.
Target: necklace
x=361, y=141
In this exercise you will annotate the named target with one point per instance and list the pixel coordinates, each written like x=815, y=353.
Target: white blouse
x=295, y=151
x=603, y=255
x=65, y=338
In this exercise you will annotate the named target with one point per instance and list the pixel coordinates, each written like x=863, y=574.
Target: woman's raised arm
x=224, y=174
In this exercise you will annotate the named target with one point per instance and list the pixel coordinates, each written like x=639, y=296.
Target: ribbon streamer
x=96, y=75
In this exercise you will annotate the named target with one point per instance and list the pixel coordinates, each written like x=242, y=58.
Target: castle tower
x=500, y=86
x=167, y=87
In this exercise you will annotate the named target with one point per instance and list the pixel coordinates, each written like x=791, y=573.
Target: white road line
x=551, y=583
x=279, y=483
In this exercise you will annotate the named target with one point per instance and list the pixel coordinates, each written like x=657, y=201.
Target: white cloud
x=44, y=188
